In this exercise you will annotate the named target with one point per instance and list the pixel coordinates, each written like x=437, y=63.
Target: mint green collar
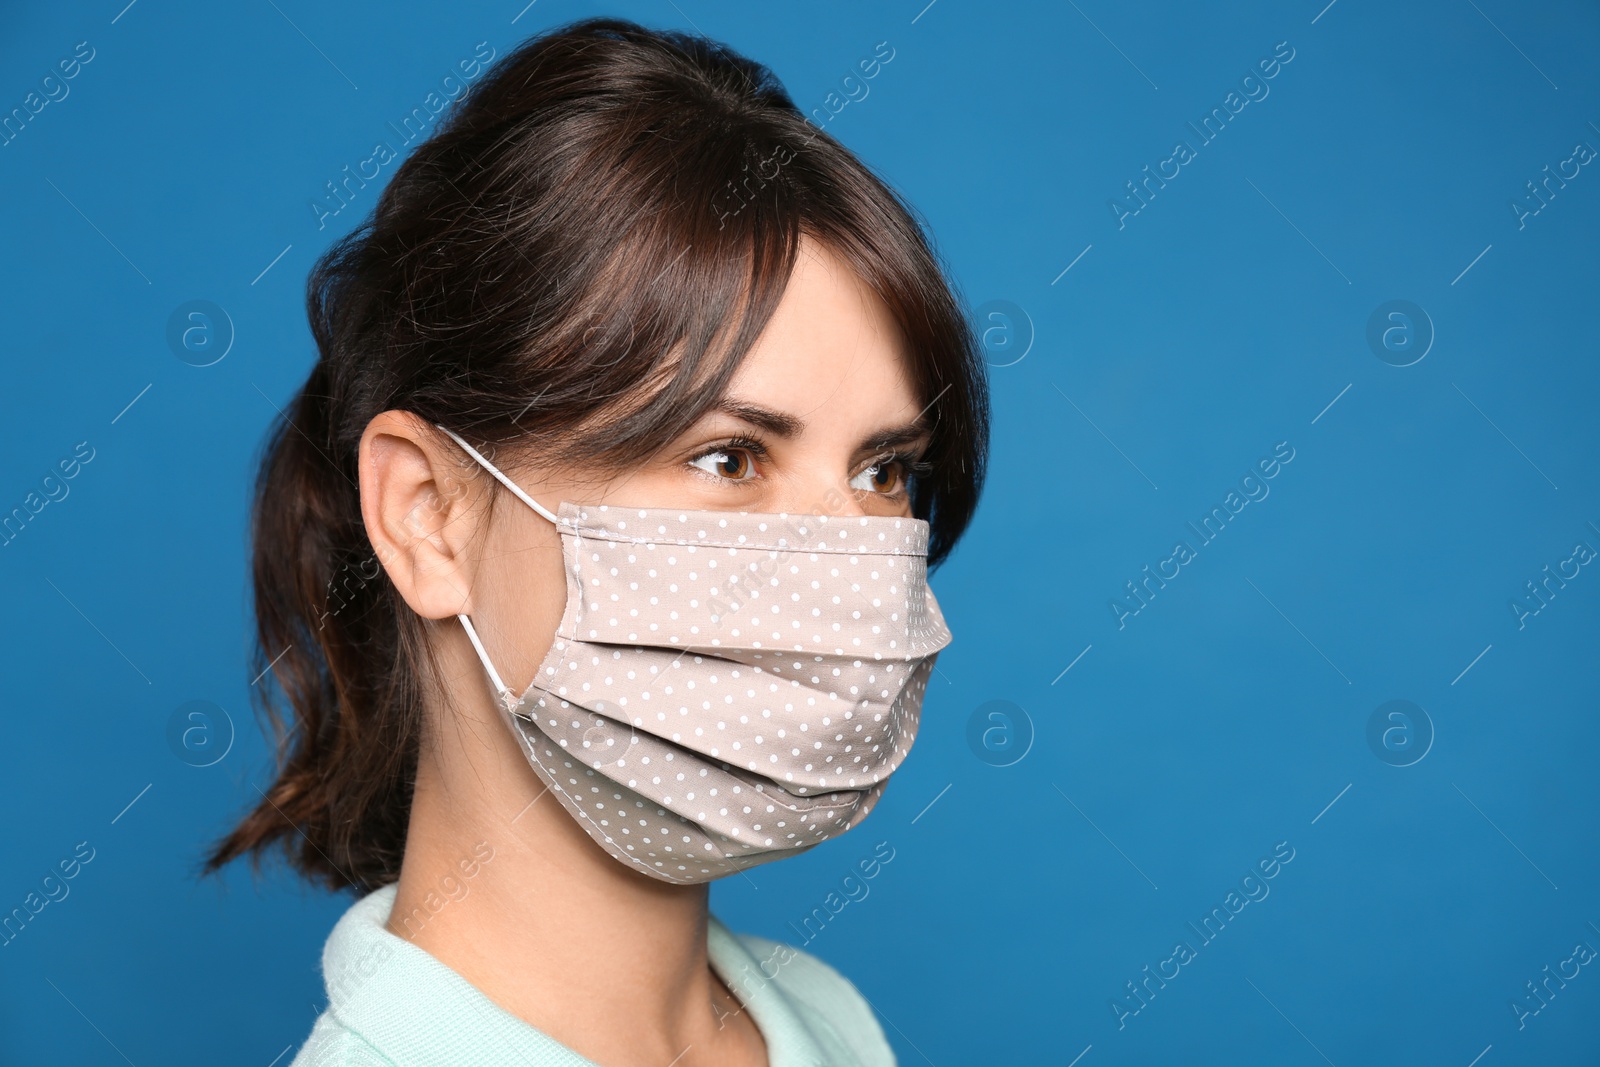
x=418, y=1012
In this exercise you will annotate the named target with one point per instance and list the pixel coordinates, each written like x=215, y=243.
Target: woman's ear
x=421, y=514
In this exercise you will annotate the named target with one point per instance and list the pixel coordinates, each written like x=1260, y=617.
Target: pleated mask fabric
x=725, y=688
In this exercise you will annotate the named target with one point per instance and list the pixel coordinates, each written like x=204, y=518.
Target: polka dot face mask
x=725, y=688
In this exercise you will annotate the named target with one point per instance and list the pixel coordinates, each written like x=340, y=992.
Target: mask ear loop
x=507, y=482
x=507, y=697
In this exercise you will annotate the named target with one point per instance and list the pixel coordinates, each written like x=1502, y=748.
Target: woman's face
x=820, y=418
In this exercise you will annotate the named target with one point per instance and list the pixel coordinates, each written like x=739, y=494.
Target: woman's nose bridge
x=818, y=492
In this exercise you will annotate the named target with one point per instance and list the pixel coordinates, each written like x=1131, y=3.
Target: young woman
x=590, y=562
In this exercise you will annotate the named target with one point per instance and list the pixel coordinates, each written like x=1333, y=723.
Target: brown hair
x=551, y=272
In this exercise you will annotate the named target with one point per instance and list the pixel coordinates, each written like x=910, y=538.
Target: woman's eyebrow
x=776, y=423
x=895, y=436
x=781, y=424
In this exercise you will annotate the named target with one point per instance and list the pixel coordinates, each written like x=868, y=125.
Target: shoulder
x=333, y=1044
x=826, y=998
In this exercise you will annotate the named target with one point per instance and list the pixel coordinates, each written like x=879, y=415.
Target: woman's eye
x=731, y=463
x=882, y=478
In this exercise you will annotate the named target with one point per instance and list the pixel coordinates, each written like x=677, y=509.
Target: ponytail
x=328, y=635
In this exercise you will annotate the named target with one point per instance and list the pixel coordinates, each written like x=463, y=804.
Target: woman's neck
x=501, y=884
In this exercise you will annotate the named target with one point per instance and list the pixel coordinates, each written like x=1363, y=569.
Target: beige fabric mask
x=725, y=688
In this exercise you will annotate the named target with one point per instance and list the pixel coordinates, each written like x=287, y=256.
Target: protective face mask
x=725, y=688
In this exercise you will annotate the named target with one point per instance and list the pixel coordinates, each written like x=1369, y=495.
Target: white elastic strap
x=504, y=690
x=507, y=482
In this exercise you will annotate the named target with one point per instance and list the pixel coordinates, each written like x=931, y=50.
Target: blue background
x=1132, y=392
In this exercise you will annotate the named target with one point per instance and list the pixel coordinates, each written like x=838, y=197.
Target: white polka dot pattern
x=727, y=688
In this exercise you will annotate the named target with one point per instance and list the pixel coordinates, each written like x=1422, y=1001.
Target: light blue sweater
x=391, y=1004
